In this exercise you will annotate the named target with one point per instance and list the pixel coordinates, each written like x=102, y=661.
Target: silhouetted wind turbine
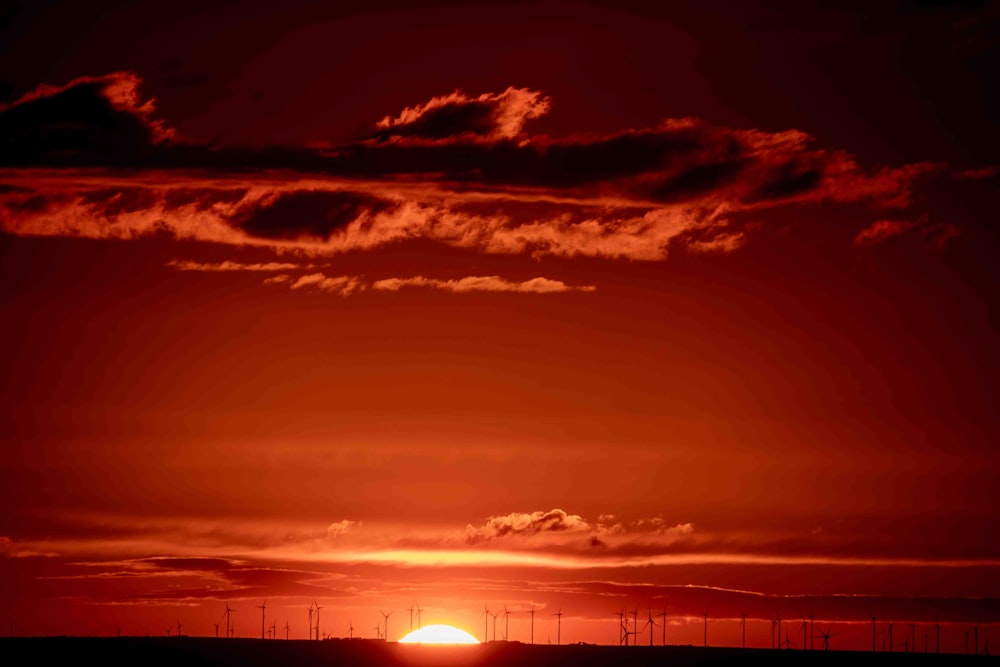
x=805, y=637
x=262, y=608
x=420, y=623
x=486, y=623
x=317, y=617
x=506, y=623
x=743, y=627
x=386, y=617
x=663, y=621
x=378, y=632
x=216, y=630
x=495, y=617
x=310, y=621
x=825, y=635
x=228, y=612
x=350, y=629
x=532, y=624
x=773, y=624
x=179, y=626
x=778, y=621
x=705, y=614
x=559, y=615
x=411, y=610
x=650, y=622
x=812, y=636
x=286, y=629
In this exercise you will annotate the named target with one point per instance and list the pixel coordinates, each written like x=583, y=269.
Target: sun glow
x=439, y=634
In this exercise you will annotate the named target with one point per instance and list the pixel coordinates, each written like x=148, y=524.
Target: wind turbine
x=559, y=615
x=506, y=623
x=310, y=621
x=317, y=617
x=778, y=621
x=812, y=635
x=229, y=611
x=216, y=630
x=805, y=637
x=743, y=627
x=286, y=629
x=486, y=623
x=179, y=626
x=890, y=638
x=650, y=622
x=386, y=617
x=773, y=624
x=622, y=629
x=532, y=624
x=411, y=610
x=705, y=614
x=420, y=623
x=663, y=620
x=825, y=636
x=262, y=608
x=495, y=617
x=350, y=629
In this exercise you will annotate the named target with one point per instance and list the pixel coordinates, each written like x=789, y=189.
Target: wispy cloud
x=226, y=266
x=348, y=285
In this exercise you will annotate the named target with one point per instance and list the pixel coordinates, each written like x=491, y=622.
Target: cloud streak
x=348, y=285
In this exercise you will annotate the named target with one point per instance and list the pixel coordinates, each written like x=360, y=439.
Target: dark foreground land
x=205, y=652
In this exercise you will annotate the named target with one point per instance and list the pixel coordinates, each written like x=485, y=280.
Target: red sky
x=546, y=305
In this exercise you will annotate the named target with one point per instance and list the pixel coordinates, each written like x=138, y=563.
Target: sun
x=439, y=634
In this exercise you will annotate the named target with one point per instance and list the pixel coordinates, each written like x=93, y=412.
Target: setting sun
x=439, y=634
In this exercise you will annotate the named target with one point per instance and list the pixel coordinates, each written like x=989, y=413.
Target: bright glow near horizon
x=439, y=634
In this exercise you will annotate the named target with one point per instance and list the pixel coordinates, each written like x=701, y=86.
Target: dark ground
x=198, y=652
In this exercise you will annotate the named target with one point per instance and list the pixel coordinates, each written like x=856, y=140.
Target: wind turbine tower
x=385, y=616
x=262, y=608
x=559, y=615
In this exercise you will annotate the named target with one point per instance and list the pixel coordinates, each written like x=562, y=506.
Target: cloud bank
x=460, y=169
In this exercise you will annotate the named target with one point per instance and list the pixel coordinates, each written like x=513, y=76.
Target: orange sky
x=680, y=312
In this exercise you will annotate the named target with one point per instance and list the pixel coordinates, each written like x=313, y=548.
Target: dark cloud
x=306, y=214
x=92, y=120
